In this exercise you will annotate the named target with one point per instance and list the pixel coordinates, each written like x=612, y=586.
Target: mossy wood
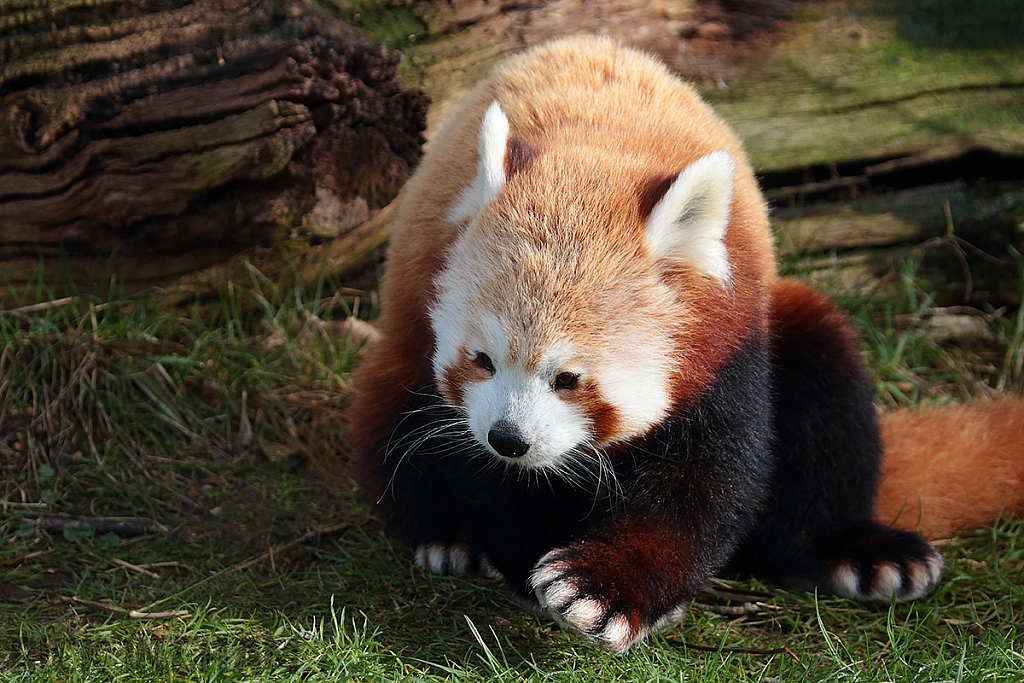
x=965, y=239
x=851, y=82
x=148, y=139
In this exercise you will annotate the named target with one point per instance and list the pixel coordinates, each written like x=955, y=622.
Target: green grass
x=352, y=608
x=123, y=409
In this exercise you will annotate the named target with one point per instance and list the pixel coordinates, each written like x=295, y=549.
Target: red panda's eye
x=484, y=361
x=566, y=380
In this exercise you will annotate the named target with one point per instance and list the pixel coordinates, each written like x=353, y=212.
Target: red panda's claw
x=564, y=591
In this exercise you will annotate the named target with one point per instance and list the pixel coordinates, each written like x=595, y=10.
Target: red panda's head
x=555, y=321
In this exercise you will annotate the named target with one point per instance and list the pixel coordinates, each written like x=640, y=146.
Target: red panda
x=591, y=380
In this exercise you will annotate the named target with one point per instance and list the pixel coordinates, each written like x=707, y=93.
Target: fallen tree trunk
x=149, y=139
x=966, y=237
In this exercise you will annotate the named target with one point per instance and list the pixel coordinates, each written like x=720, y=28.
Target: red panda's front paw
x=453, y=559
x=570, y=593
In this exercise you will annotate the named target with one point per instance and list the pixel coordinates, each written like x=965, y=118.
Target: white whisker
x=449, y=424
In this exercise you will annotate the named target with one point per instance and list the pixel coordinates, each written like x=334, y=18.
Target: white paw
x=915, y=579
x=562, y=590
x=452, y=560
x=443, y=559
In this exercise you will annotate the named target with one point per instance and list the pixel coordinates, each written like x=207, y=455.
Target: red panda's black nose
x=505, y=439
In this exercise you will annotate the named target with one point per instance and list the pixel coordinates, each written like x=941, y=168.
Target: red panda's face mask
x=543, y=396
x=555, y=335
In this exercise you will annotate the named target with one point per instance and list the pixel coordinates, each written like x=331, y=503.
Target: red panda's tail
x=952, y=469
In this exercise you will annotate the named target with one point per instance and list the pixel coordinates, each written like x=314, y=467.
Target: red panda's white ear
x=490, y=172
x=688, y=223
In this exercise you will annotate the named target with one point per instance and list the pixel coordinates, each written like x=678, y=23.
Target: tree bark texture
x=155, y=137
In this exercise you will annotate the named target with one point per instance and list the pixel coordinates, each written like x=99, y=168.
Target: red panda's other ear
x=688, y=222
x=490, y=171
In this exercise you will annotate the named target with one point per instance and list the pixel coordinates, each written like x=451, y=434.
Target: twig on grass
x=132, y=613
x=121, y=527
x=671, y=640
x=134, y=568
x=21, y=558
x=242, y=566
x=137, y=567
x=744, y=600
x=730, y=610
x=277, y=550
x=43, y=306
x=732, y=650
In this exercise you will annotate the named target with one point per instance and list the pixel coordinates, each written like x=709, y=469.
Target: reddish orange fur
x=952, y=469
x=603, y=415
x=801, y=312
